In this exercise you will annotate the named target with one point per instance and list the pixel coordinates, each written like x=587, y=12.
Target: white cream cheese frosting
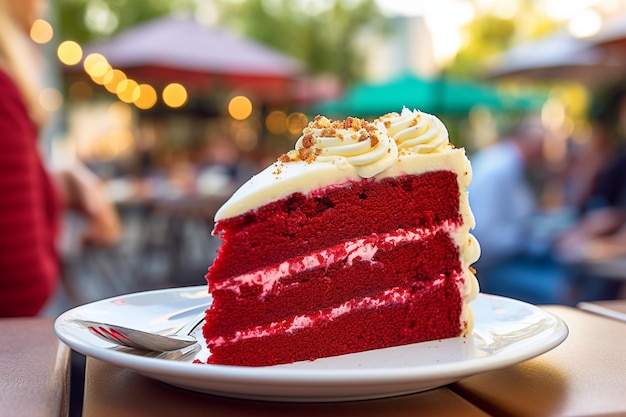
x=365, y=146
x=416, y=131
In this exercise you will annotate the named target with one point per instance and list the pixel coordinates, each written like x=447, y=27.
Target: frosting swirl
x=416, y=131
x=356, y=142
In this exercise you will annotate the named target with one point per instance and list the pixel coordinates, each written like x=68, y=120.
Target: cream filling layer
x=363, y=249
x=391, y=296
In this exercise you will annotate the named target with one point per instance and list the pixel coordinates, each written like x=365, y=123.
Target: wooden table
x=34, y=369
x=113, y=391
x=586, y=375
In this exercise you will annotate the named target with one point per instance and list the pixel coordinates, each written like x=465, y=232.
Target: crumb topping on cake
x=371, y=147
x=357, y=142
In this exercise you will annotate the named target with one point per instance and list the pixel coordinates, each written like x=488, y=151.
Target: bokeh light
x=99, y=72
x=240, y=107
x=96, y=66
x=147, y=97
x=121, y=112
x=128, y=91
x=585, y=23
x=50, y=99
x=175, y=95
x=80, y=91
x=276, y=122
x=41, y=31
x=112, y=80
x=296, y=122
x=91, y=60
x=70, y=52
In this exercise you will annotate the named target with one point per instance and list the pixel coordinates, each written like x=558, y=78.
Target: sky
x=445, y=18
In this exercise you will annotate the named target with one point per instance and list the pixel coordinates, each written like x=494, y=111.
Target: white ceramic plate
x=506, y=332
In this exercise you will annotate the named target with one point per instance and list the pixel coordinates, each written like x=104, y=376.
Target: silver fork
x=139, y=339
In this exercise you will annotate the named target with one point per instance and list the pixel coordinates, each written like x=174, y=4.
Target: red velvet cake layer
x=352, y=268
x=413, y=266
x=297, y=225
x=429, y=315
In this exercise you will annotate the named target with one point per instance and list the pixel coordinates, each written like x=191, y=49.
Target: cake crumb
x=320, y=122
x=308, y=140
x=305, y=153
x=278, y=169
x=374, y=140
x=329, y=132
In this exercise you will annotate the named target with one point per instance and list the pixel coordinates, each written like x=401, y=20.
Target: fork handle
x=187, y=328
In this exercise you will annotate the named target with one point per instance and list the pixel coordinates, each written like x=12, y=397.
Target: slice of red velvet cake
x=356, y=240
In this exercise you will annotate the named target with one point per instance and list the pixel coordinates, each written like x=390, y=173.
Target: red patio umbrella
x=200, y=57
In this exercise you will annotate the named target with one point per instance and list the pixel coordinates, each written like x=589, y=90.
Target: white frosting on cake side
x=423, y=141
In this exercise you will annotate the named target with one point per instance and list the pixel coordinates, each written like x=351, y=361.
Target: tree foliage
x=89, y=20
x=325, y=39
x=489, y=35
x=322, y=34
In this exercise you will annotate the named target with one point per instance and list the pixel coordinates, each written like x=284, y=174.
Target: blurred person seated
x=585, y=160
x=504, y=204
x=600, y=233
x=501, y=195
x=33, y=197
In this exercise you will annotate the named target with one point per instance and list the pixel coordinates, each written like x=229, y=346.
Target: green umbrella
x=437, y=95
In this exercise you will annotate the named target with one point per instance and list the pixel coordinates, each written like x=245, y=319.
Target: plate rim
x=309, y=376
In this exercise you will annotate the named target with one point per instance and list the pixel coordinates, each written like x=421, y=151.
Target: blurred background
x=175, y=103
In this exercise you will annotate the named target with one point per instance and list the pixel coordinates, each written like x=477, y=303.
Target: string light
x=115, y=81
x=128, y=91
x=240, y=107
x=276, y=122
x=41, y=31
x=69, y=52
x=175, y=95
x=147, y=97
x=296, y=122
x=112, y=79
x=97, y=67
x=91, y=60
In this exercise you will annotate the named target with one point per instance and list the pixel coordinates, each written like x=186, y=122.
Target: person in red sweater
x=32, y=198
